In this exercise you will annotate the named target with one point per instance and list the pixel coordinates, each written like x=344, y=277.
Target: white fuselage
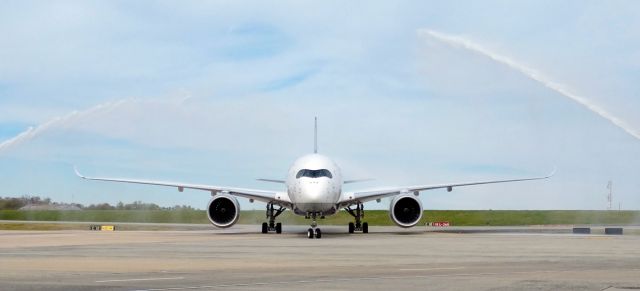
x=314, y=185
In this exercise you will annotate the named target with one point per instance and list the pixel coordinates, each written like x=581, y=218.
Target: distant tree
x=10, y=203
x=182, y=207
x=101, y=206
x=13, y=203
x=139, y=205
x=17, y=203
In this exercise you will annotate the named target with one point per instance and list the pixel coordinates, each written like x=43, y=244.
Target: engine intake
x=405, y=210
x=223, y=210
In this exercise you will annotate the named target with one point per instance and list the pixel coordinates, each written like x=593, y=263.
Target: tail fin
x=315, y=136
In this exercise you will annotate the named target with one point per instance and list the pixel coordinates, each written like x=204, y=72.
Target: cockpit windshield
x=314, y=173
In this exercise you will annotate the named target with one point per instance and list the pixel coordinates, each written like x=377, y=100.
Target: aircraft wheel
x=352, y=227
x=318, y=233
x=310, y=233
x=278, y=227
x=365, y=228
x=265, y=228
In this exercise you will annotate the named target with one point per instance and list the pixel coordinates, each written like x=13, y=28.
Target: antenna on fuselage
x=315, y=136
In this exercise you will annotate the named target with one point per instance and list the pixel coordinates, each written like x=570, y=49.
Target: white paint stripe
x=370, y=278
x=345, y=280
x=140, y=279
x=431, y=269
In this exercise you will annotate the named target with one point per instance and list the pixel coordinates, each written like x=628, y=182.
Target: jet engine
x=223, y=210
x=405, y=210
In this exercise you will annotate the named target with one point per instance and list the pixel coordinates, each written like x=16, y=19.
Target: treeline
x=136, y=205
x=14, y=203
x=9, y=203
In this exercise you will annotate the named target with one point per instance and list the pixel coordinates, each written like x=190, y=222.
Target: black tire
x=352, y=227
x=318, y=233
x=265, y=227
x=310, y=233
x=365, y=228
x=278, y=227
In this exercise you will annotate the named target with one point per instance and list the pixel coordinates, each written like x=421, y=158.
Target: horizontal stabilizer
x=357, y=181
x=272, y=181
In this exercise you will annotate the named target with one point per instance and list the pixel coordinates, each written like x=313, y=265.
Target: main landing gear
x=313, y=231
x=271, y=215
x=358, y=214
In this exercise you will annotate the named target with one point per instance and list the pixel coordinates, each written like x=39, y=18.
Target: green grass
x=38, y=226
x=374, y=217
x=152, y=216
x=532, y=217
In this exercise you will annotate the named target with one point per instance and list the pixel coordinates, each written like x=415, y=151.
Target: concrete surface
x=387, y=259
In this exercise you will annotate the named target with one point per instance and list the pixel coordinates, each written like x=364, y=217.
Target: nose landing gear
x=313, y=231
x=271, y=215
x=358, y=214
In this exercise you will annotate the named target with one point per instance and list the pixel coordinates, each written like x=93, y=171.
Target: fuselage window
x=314, y=173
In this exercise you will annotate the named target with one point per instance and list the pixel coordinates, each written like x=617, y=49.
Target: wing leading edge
x=368, y=195
x=278, y=198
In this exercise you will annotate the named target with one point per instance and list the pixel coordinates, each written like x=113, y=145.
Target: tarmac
x=388, y=258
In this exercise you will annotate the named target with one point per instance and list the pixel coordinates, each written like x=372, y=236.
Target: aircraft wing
x=278, y=198
x=350, y=198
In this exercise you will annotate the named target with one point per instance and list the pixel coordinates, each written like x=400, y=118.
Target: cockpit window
x=314, y=173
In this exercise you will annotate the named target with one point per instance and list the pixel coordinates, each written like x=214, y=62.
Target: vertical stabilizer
x=315, y=136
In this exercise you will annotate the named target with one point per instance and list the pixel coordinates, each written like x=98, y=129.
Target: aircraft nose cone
x=315, y=191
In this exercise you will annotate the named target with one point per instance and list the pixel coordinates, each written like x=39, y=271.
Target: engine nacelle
x=405, y=210
x=223, y=210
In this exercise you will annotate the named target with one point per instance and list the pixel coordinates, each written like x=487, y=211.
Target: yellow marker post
x=107, y=228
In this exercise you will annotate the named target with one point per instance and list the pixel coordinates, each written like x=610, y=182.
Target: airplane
x=313, y=190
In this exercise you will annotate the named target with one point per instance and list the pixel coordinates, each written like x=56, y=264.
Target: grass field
x=38, y=226
x=374, y=217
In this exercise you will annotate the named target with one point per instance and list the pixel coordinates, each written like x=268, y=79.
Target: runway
x=389, y=258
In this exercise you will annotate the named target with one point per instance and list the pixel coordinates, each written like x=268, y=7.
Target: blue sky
x=225, y=92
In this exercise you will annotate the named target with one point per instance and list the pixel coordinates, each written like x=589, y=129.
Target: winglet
x=78, y=172
x=553, y=172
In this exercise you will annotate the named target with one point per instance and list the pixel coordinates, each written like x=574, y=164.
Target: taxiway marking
x=140, y=279
x=431, y=269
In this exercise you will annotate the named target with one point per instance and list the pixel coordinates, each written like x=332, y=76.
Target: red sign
x=440, y=223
